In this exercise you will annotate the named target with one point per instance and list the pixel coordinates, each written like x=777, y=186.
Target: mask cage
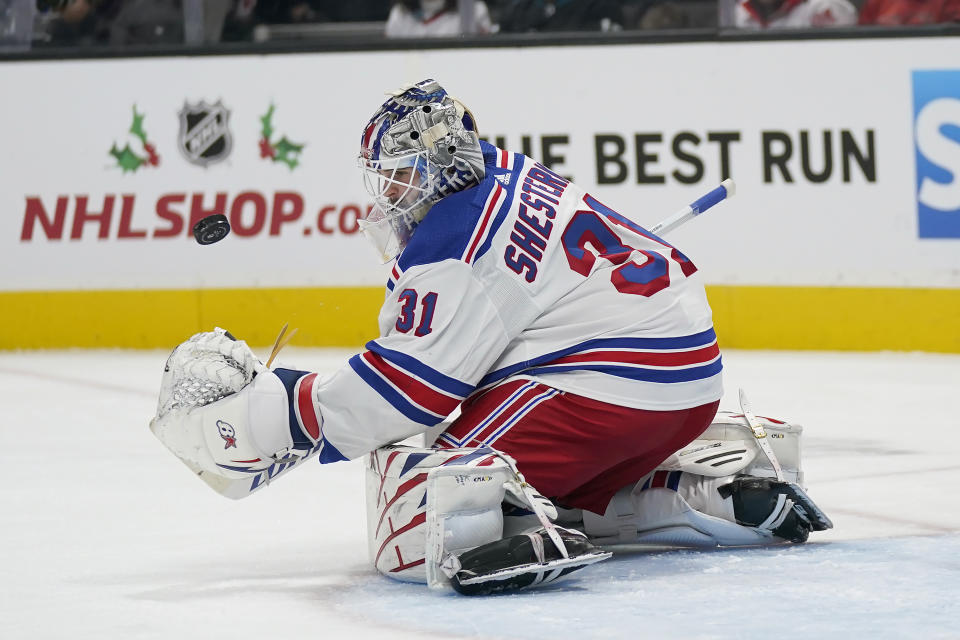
x=401, y=200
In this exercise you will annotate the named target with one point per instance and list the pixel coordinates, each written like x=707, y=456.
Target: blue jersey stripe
x=496, y=413
x=504, y=208
x=519, y=415
x=391, y=395
x=417, y=368
x=701, y=339
x=330, y=453
x=289, y=378
x=673, y=480
x=639, y=373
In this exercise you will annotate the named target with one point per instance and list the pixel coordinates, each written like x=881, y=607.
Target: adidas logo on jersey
x=504, y=178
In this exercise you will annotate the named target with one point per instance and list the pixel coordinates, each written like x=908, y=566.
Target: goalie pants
x=575, y=450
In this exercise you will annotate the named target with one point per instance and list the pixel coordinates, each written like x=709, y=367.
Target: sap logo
x=936, y=113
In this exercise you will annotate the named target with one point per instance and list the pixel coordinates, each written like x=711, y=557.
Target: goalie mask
x=420, y=146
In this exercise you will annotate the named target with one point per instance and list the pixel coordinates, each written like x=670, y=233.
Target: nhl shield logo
x=204, y=136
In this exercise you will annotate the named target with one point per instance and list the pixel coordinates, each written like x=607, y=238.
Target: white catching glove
x=245, y=429
x=207, y=367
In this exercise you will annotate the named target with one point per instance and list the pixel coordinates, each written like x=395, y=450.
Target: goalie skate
x=520, y=562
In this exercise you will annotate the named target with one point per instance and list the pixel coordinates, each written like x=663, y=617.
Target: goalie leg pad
x=698, y=511
x=459, y=506
x=662, y=516
x=729, y=447
x=427, y=507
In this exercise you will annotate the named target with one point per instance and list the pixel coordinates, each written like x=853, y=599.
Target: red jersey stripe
x=656, y=359
x=430, y=399
x=487, y=215
x=306, y=411
x=506, y=414
x=659, y=479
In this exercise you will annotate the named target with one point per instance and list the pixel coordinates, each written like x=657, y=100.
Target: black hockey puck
x=211, y=229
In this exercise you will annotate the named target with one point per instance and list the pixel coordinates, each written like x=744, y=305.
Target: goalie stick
x=718, y=194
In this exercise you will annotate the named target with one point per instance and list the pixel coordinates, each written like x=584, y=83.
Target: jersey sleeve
x=441, y=330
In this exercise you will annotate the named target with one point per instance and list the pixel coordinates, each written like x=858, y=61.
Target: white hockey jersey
x=524, y=276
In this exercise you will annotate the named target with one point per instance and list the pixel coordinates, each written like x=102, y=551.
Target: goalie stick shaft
x=716, y=195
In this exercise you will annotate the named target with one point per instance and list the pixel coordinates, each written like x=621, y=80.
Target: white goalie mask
x=420, y=146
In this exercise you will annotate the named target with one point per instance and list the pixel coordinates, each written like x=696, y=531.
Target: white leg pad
x=728, y=447
x=424, y=504
x=695, y=514
x=663, y=517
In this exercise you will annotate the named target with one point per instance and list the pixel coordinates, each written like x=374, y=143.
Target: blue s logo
x=936, y=115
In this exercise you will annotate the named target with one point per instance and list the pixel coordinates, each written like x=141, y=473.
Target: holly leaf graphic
x=266, y=130
x=127, y=160
x=137, y=127
x=287, y=152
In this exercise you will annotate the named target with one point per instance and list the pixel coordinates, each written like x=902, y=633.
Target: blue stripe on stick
x=707, y=200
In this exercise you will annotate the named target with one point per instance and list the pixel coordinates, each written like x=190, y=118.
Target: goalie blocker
x=466, y=518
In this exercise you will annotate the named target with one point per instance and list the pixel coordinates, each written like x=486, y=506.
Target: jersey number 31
x=587, y=227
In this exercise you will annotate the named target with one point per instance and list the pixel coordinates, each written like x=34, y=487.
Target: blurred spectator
x=215, y=14
x=794, y=14
x=16, y=24
x=561, y=15
x=669, y=14
x=900, y=12
x=437, y=18
x=664, y=15
x=291, y=11
x=69, y=23
x=362, y=10
x=240, y=21
x=148, y=22
x=246, y=15
x=72, y=23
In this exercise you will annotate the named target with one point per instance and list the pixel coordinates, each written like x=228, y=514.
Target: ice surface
x=103, y=534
